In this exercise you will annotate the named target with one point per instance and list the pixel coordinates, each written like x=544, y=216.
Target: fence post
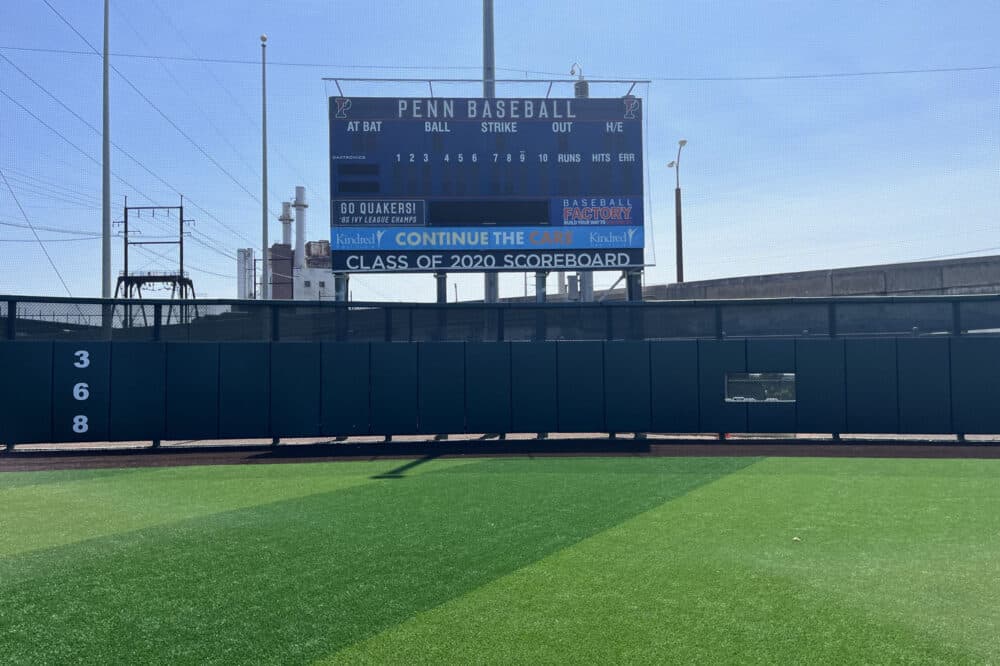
x=500, y=324
x=388, y=324
x=11, y=318
x=609, y=323
x=275, y=323
x=157, y=321
x=956, y=318
x=719, y=334
x=831, y=318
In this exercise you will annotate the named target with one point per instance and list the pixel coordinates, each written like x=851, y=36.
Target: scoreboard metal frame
x=436, y=184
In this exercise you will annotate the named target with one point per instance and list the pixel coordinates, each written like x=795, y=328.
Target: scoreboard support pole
x=340, y=282
x=540, y=278
x=442, y=287
x=633, y=286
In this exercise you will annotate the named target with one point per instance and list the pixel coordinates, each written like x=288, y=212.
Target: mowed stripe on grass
x=45, y=509
x=896, y=563
x=299, y=578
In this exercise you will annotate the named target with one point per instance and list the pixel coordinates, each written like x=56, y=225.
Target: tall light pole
x=676, y=166
x=265, y=271
x=106, y=175
x=491, y=280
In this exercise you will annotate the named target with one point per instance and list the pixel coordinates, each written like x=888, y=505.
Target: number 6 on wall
x=81, y=391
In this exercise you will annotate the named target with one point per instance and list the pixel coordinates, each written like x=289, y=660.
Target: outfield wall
x=93, y=391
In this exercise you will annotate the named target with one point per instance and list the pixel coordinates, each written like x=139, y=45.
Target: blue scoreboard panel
x=468, y=184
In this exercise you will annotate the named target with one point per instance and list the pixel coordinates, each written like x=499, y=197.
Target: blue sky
x=779, y=174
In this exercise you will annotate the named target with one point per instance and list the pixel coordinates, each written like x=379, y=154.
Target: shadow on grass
x=400, y=472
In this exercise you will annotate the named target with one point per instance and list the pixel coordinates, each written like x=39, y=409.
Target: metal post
x=265, y=272
x=679, y=240
x=540, y=278
x=491, y=281
x=157, y=322
x=340, y=282
x=180, y=237
x=106, y=174
x=11, y=319
x=633, y=286
x=442, y=288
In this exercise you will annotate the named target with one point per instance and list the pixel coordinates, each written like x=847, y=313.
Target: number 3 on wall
x=82, y=359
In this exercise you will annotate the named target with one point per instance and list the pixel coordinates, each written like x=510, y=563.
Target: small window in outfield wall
x=760, y=387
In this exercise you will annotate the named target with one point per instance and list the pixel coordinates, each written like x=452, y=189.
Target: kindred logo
x=343, y=106
x=617, y=238
x=631, y=106
x=360, y=239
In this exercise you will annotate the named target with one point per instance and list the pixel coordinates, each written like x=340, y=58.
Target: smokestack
x=286, y=222
x=300, y=226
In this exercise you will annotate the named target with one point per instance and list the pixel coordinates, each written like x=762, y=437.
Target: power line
x=63, y=137
x=159, y=111
x=35, y=233
x=55, y=230
x=752, y=77
x=49, y=240
x=117, y=147
x=219, y=82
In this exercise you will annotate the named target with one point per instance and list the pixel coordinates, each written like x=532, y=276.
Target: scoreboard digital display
x=472, y=184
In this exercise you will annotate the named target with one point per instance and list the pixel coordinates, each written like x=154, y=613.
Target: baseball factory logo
x=343, y=106
x=585, y=211
x=631, y=106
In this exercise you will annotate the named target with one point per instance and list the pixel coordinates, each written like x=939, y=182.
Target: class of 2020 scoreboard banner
x=449, y=184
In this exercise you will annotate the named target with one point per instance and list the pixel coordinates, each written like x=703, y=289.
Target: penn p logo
x=631, y=106
x=343, y=106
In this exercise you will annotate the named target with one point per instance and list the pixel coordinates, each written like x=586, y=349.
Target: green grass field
x=603, y=560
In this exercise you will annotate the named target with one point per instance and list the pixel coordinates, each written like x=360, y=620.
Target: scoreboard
x=472, y=184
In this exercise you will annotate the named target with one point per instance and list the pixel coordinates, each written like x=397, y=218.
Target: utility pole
x=106, y=175
x=491, y=281
x=265, y=271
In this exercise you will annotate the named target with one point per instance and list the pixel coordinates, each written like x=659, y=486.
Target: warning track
x=37, y=460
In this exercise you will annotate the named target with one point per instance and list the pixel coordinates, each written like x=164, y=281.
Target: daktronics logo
x=358, y=239
x=597, y=211
x=622, y=238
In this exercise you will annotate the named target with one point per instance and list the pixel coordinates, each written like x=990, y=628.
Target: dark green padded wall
x=581, y=386
x=533, y=390
x=346, y=395
x=295, y=389
x=441, y=387
x=819, y=386
x=924, y=367
x=715, y=359
x=244, y=399
x=870, y=374
x=25, y=392
x=673, y=371
x=627, y=386
x=771, y=356
x=192, y=390
x=975, y=384
x=487, y=387
x=394, y=388
x=138, y=390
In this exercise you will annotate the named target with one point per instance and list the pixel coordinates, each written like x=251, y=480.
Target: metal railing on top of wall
x=41, y=318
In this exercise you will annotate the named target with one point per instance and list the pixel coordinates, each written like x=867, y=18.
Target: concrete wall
x=977, y=275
